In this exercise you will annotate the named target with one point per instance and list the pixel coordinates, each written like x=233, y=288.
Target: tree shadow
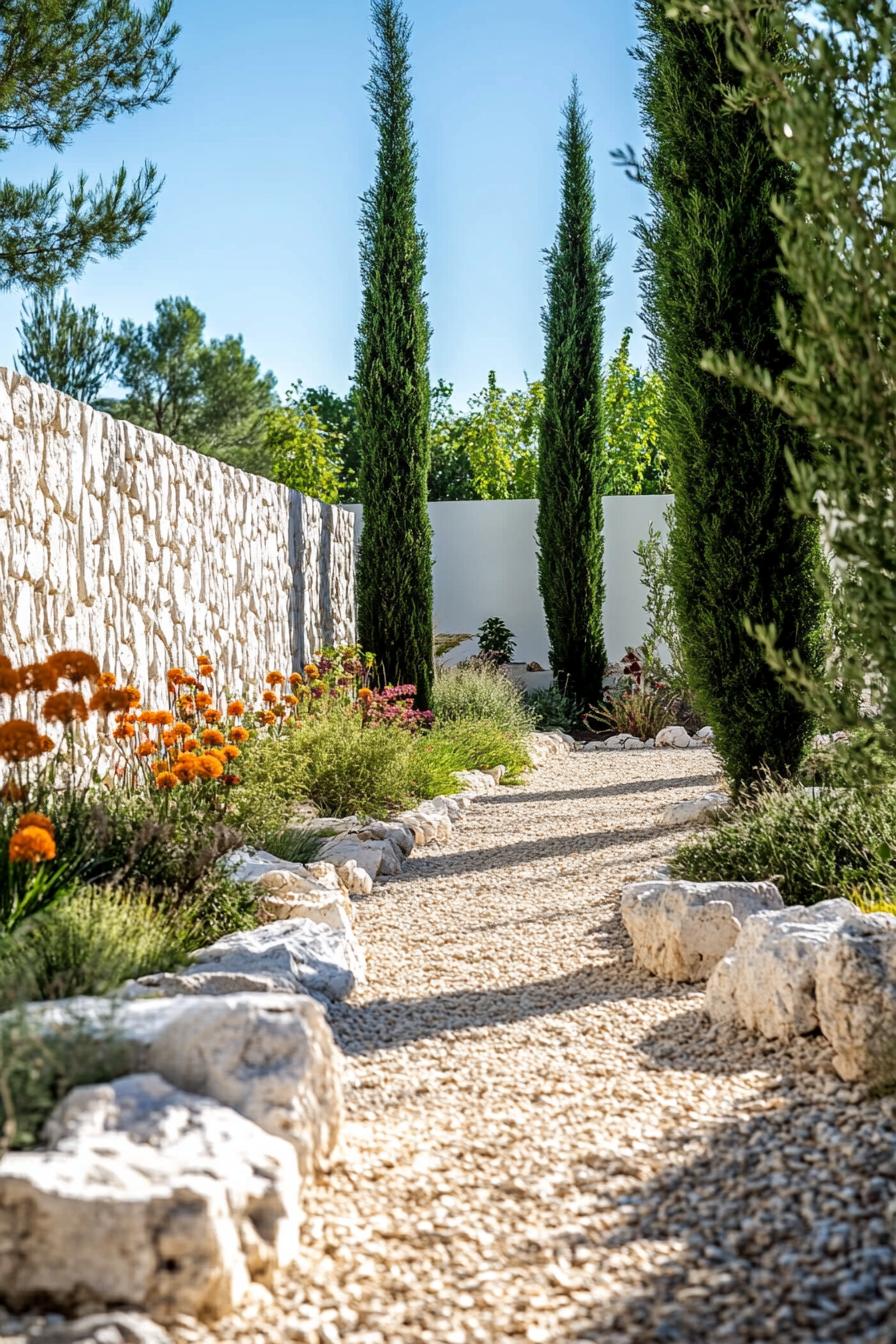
x=387, y=1024
x=524, y=851
x=772, y=1226
x=604, y=790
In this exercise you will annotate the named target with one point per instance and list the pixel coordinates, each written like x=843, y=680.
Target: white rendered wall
x=485, y=563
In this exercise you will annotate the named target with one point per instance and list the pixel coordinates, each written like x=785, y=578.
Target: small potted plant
x=496, y=641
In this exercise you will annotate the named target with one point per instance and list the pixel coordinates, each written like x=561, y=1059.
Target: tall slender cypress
x=712, y=281
x=572, y=465
x=392, y=381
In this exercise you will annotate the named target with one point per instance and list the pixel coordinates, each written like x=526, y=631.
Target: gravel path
x=546, y=1144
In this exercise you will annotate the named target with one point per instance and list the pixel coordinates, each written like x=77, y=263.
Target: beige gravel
x=546, y=1144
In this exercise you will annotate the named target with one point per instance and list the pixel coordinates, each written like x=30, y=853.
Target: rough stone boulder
x=767, y=981
x=284, y=895
x=680, y=930
x=400, y=835
x=376, y=857
x=271, y=1057
x=674, y=736
x=855, y=986
x=690, y=811
x=113, y=1327
x=150, y=1198
x=476, y=781
x=294, y=954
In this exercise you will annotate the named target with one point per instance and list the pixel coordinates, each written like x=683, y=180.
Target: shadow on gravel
x=523, y=851
x=603, y=790
x=685, y=1043
x=386, y=1024
x=773, y=1227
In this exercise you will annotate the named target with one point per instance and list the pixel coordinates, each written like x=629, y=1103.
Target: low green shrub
x=273, y=781
x=480, y=692
x=38, y=1068
x=814, y=845
x=465, y=744
x=348, y=767
x=552, y=709
x=89, y=942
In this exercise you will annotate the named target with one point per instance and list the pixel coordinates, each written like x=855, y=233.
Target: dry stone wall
x=123, y=543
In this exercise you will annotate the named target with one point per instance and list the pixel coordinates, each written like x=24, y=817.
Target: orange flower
x=65, y=707
x=105, y=681
x=20, y=740
x=146, y=749
x=182, y=730
x=295, y=678
x=134, y=695
x=209, y=767
x=156, y=718
x=175, y=676
x=230, y=753
x=365, y=695
x=212, y=738
x=124, y=731
x=290, y=700
x=108, y=700
x=185, y=769
x=32, y=844
x=166, y=779
x=37, y=677
x=191, y=744
x=218, y=753
x=230, y=780
x=9, y=681
x=169, y=737
x=212, y=716
x=275, y=678
x=35, y=819
x=267, y=718
x=239, y=734
x=236, y=709
x=203, y=700
x=311, y=670
x=72, y=665
x=270, y=697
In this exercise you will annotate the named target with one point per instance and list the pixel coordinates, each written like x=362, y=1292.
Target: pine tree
x=712, y=281
x=392, y=383
x=64, y=65
x=571, y=458
x=72, y=349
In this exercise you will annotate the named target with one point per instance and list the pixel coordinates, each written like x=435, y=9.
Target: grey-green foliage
x=64, y=66
x=479, y=693
x=89, y=942
x=72, y=349
x=834, y=119
x=712, y=279
x=572, y=466
x=392, y=382
x=663, y=633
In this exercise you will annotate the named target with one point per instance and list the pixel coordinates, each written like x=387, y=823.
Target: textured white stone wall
x=125, y=544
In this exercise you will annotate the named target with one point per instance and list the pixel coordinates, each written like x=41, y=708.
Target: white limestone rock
x=634, y=744
x=855, y=987
x=673, y=736
x=113, y=1327
x=766, y=983
x=367, y=854
x=271, y=1057
x=322, y=900
x=691, y=811
x=476, y=781
x=150, y=1198
x=618, y=741
x=680, y=930
x=705, y=734
x=294, y=954
x=400, y=835
x=252, y=865
x=356, y=880
x=258, y=1170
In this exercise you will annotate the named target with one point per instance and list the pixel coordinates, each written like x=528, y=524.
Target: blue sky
x=267, y=145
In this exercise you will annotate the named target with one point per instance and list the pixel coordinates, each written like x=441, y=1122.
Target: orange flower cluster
x=33, y=840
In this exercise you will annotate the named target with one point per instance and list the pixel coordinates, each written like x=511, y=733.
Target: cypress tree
x=712, y=281
x=572, y=465
x=392, y=382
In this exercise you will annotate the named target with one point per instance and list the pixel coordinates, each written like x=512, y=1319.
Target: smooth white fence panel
x=485, y=563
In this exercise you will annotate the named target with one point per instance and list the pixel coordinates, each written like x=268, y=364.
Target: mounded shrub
x=480, y=692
